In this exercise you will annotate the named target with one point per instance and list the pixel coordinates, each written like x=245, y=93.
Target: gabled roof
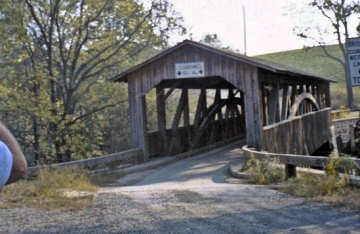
x=260, y=63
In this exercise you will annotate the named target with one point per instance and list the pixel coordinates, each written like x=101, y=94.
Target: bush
x=265, y=171
x=309, y=185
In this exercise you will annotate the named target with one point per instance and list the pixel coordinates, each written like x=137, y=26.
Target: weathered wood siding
x=152, y=74
x=299, y=135
x=268, y=92
x=243, y=76
x=137, y=109
x=280, y=95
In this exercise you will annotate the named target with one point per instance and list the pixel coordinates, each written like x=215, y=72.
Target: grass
x=313, y=60
x=52, y=189
x=330, y=187
x=264, y=171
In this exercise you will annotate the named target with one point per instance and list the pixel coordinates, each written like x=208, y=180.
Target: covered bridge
x=248, y=94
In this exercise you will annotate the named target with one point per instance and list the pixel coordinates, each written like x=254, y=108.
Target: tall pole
x=350, y=95
x=244, y=20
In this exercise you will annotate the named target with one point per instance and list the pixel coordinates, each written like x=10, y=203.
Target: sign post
x=352, y=65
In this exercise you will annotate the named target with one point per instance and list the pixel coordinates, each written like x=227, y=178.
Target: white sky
x=269, y=26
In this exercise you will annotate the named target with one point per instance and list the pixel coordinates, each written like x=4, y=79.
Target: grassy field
x=313, y=60
x=66, y=189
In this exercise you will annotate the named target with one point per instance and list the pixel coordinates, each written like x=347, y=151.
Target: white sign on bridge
x=353, y=59
x=189, y=70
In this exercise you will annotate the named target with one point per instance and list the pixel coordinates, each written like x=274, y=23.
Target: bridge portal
x=248, y=95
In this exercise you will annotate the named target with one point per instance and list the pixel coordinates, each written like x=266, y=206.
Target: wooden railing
x=299, y=135
x=133, y=155
x=291, y=161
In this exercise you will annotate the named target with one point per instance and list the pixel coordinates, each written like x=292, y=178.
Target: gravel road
x=194, y=195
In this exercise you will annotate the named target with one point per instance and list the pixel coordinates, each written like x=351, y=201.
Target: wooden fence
x=133, y=155
x=299, y=135
x=291, y=161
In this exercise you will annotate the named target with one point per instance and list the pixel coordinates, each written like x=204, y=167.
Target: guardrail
x=291, y=161
x=132, y=154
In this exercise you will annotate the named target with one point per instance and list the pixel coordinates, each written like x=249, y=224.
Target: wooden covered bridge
x=275, y=107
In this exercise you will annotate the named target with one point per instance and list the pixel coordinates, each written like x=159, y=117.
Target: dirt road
x=194, y=195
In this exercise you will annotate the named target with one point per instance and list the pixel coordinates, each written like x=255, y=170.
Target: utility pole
x=244, y=21
x=348, y=71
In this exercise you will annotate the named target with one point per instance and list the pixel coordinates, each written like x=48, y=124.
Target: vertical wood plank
x=132, y=113
x=252, y=111
x=161, y=118
x=187, y=118
x=284, y=108
x=176, y=121
x=274, y=104
x=200, y=107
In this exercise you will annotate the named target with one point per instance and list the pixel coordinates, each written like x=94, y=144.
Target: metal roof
x=260, y=63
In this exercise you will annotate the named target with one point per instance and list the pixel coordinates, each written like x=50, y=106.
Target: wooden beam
x=299, y=100
x=169, y=93
x=265, y=102
x=132, y=114
x=187, y=118
x=200, y=108
x=253, y=111
x=219, y=114
x=142, y=121
x=161, y=119
x=176, y=121
x=284, y=106
x=137, y=109
x=274, y=105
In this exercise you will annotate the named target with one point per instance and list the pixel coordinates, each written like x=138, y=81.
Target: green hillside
x=314, y=60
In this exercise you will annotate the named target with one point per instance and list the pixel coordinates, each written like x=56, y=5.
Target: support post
x=161, y=119
x=290, y=171
x=253, y=113
x=284, y=105
x=187, y=118
x=137, y=108
x=350, y=95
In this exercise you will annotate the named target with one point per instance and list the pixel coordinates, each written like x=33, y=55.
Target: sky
x=270, y=23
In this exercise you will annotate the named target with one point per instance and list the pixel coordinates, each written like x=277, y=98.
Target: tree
x=214, y=41
x=64, y=49
x=337, y=12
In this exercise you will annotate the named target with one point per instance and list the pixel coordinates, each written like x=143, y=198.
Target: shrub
x=265, y=171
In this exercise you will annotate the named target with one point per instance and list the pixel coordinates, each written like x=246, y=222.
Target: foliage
x=48, y=190
x=213, y=40
x=56, y=58
x=266, y=171
x=344, y=165
x=342, y=113
x=331, y=187
x=308, y=185
x=338, y=14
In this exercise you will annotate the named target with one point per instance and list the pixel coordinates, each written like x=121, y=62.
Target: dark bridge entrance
x=248, y=94
x=219, y=115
